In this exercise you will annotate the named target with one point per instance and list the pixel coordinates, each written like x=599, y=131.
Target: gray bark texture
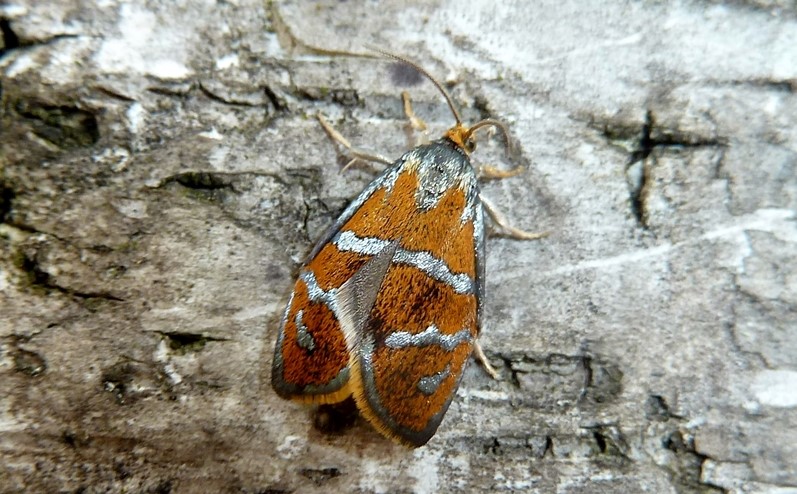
x=164, y=175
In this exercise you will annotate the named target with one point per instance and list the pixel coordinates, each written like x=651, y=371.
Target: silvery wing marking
x=317, y=294
x=348, y=241
x=436, y=269
x=428, y=385
x=429, y=336
x=303, y=337
x=356, y=297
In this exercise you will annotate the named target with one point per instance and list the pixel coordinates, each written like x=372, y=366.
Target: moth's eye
x=470, y=144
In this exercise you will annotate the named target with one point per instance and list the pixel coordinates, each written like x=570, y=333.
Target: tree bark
x=164, y=175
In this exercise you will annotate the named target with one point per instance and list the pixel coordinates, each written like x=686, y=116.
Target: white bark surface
x=163, y=176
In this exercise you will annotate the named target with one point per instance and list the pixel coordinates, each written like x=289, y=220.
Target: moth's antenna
x=462, y=136
x=498, y=125
x=428, y=76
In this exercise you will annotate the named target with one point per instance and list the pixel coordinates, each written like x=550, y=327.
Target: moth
x=389, y=304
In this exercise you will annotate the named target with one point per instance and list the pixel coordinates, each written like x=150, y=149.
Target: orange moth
x=389, y=303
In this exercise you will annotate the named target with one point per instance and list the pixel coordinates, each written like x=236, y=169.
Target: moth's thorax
x=440, y=166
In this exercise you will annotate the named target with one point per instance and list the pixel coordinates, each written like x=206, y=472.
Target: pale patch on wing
x=356, y=297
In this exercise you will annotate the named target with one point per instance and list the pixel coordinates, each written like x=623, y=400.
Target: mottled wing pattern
x=311, y=359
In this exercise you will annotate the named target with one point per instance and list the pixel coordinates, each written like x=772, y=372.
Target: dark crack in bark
x=38, y=277
x=182, y=342
x=642, y=159
x=320, y=476
x=64, y=126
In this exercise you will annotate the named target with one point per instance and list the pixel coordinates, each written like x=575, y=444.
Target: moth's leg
x=500, y=220
x=355, y=153
x=493, y=172
x=489, y=171
x=482, y=358
x=414, y=123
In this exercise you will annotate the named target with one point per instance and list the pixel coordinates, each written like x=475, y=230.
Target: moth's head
x=462, y=137
x=465, y=137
